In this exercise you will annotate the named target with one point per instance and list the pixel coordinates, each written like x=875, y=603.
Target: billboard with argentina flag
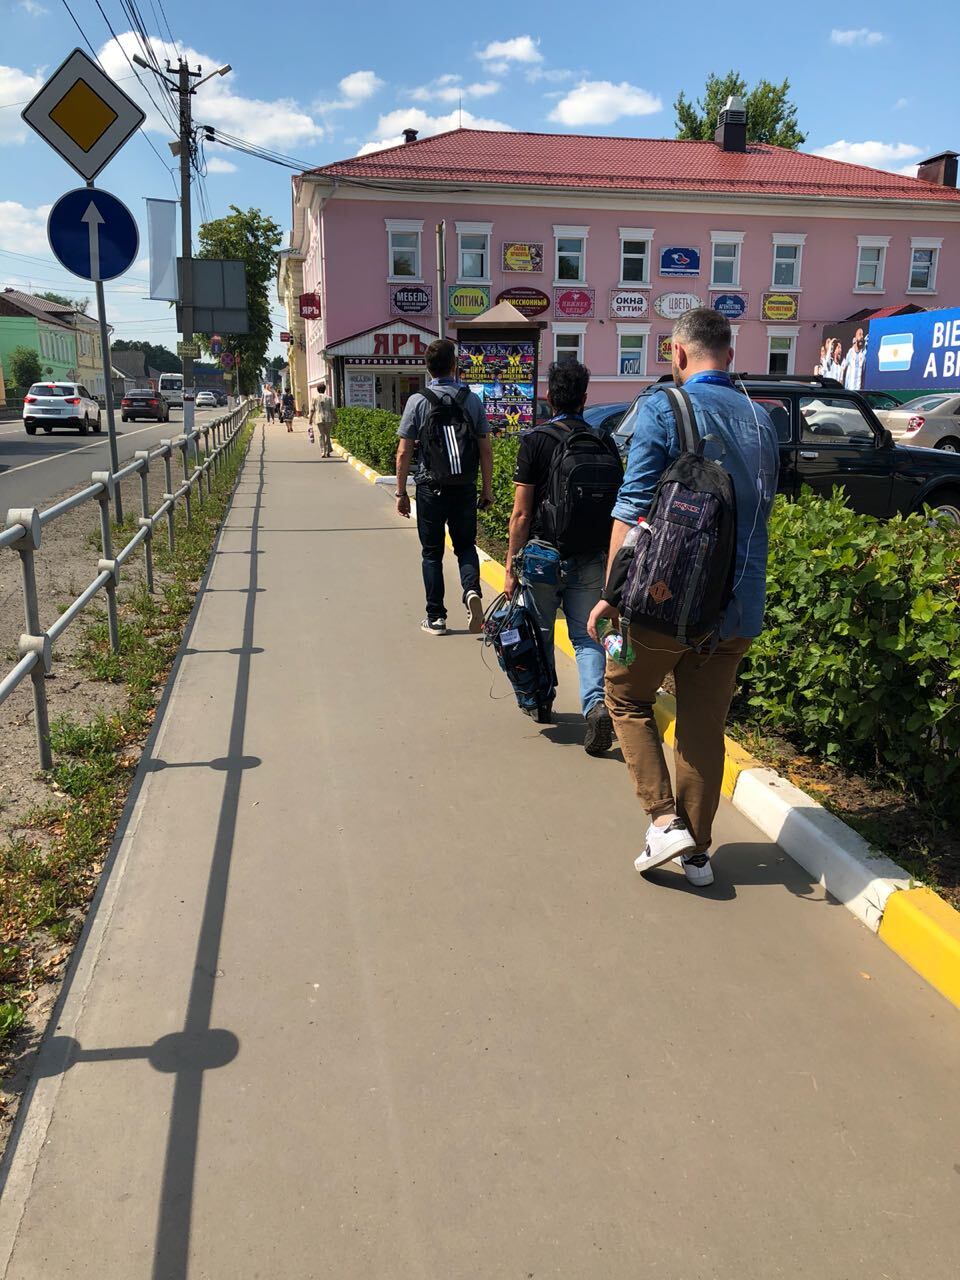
x=919, y=352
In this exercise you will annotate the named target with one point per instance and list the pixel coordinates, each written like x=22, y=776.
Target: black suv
x=829, y=436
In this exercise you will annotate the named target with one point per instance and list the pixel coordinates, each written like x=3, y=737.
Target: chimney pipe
x=731, y=132
x=410, y=135
x=941, y=170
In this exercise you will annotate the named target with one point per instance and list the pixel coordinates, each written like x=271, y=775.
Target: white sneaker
x=663, y=844
x=474, y=612
x=697, y=869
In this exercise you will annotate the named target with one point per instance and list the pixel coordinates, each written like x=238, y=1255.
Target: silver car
x=928, y=422
x=60, y=404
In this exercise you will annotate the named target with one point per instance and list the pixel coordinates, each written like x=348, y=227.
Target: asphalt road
x=34, y=469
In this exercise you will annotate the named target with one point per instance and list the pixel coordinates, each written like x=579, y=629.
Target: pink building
x=607, y=241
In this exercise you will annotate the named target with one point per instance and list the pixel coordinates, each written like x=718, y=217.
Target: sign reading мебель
x=467, y=299
x=679, y=262
x=361, y=389
x=914, y=352
x=411, y=300
x=628, y=304
x=522, y=255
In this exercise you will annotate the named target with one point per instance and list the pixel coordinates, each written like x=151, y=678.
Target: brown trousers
x=705, y=685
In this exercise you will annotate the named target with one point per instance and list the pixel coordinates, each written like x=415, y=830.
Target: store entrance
x=395, y=389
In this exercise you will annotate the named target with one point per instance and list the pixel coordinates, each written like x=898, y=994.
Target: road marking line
x=127, y=435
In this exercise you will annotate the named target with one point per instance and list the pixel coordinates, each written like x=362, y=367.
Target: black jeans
x=454, y=507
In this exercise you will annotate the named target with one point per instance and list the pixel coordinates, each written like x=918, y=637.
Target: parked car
x=222, y=399
x=606, y=416
x=144, y=402
x=206, y=400
x=928, y=422
x=880, y=400
x=60, y=404
x=829, y=436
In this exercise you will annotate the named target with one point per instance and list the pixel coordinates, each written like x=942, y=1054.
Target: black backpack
x=681, y=577
x=448, y=441
x=582, y=486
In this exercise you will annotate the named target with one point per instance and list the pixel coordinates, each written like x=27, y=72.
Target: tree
x=76, y=304
x=275, y=366
x=255, y=238
x=771, y=116
x=24, y=367
x=157, y=357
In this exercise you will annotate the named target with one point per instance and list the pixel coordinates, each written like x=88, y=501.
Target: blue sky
x=871, y=85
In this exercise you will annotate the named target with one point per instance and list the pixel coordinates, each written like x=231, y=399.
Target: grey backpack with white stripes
x=448, y=441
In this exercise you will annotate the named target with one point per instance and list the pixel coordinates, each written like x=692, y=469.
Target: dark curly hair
x=567, y=385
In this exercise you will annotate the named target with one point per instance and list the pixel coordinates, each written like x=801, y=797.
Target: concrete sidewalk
x=373, y=992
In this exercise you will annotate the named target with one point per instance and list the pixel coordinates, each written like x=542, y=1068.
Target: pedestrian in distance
x=288, y=408
x=444, y=438
x=269, y=402
x=722, y=479
x=323, y=414
x=566, y=481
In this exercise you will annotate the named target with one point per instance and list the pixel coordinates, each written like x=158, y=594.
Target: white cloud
x=519, y=49
x=601, y=102
x=216, y=165
x=390, y=127
x=24, y=230
x=901, y=103
x=450, y=88
x=856, y=36
x=16, y=86
x=876, y=155
x=356, y=88
x=552, y=75
x=276, y=121
x=34, y=9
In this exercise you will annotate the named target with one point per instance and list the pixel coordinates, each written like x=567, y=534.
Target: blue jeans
x=454, y=507
x=583, y=578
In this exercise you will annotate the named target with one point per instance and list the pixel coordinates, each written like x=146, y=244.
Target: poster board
x=502, y=371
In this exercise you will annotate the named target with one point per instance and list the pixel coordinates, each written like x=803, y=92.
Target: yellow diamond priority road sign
x=83, y=115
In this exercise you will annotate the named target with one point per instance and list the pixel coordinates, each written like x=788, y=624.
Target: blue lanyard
x=717, y=379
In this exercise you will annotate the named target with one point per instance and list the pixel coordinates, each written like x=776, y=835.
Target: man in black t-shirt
x=582, y=575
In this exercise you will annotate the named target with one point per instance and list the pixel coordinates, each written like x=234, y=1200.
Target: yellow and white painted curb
x=916, y=923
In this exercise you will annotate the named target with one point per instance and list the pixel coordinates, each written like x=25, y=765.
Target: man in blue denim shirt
x=746, y=446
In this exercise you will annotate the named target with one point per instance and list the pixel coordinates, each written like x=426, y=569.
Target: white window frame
x=474, y=229
x=630, y=330
x=633, y=234
x=726, y=237
x=784, y=331
x=872, y=242
x=404, y=226
x=569, y=233
x=734, y=331
x=794, y=240
x=567, y=327
x=935, y=243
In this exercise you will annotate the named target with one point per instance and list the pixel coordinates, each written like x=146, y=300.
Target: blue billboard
x=676, y=261
x=919, y=352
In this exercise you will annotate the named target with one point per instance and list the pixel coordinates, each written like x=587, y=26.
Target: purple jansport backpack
x=681, y=577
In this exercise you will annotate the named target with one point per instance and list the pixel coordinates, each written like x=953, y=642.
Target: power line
x=146, y=88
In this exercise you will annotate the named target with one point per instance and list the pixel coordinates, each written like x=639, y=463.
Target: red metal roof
x=638, y=164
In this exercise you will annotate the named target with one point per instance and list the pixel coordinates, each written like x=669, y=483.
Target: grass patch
x=50, y=867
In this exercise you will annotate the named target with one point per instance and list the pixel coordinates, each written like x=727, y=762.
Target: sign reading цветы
x=674, y=305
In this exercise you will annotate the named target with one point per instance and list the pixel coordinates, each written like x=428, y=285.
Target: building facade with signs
x=289, y=290
x=780, y=241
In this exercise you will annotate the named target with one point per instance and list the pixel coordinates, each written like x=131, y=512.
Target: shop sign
x=731, y=305
x=467, y=299
x=674, y=305
x=679, y=262
x=501, y=375
x=628, y=304
x=411, y=299
x=522, y=256
x=779, y=306
x=573, y=302
x=664, y=349
x=309, y=306
x=216, y=344
x=285, y=336
x=529, y=302
x=361, y=389
x=631, y=366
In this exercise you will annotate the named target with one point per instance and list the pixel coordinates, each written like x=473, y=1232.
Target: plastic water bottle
x=613, y=641
x=640, y=530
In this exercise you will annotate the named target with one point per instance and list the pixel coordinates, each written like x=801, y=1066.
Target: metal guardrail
x=23, y=532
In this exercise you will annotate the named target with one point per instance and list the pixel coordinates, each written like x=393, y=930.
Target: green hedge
x=860, y=658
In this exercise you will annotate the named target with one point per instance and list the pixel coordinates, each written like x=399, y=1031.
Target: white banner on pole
x=162, y=235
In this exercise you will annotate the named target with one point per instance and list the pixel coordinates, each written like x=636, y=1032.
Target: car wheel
x=84, y=425
x=98, y=425
x=949, y=444
x=30, y=428
x=946, y=503
x=48, y=431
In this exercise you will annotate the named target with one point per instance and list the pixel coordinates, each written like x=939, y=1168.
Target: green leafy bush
x=860, y=658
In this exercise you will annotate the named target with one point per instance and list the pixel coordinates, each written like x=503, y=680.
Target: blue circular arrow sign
x=93, y=234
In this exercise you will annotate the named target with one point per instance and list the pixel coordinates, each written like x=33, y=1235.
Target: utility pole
x=184, y=90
